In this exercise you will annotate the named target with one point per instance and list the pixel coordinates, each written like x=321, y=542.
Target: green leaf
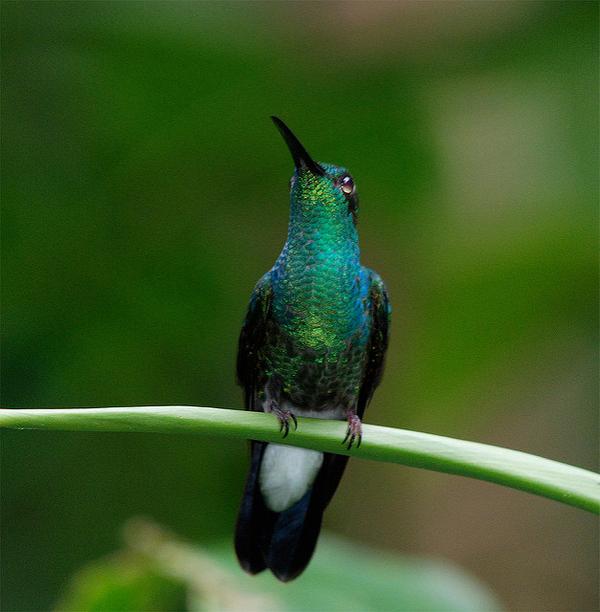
x=559, y=481
x=123, y=582
x=345, y=577
x=157, y=571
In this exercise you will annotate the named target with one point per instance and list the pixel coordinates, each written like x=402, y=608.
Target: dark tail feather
x=285, y=541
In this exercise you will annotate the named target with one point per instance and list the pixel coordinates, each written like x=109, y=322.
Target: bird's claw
x=354, y=431
x=284, y=417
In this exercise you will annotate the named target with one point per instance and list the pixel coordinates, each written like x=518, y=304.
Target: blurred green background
x=144, y=191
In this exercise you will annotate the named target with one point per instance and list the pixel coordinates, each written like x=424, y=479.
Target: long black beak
x=302, y=159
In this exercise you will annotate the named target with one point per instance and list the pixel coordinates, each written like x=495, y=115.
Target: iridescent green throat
x=316, y=279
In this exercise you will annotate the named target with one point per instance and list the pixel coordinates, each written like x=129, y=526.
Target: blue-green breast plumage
x=316, y=345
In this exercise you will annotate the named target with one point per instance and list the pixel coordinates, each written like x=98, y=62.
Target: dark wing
x=380, y=310
x=253, y=517
x=252, y=338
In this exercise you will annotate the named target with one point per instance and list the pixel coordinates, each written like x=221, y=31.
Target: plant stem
x=571, y=485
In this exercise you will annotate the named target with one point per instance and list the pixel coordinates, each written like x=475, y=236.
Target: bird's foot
x=354, y=431
x=284, y=416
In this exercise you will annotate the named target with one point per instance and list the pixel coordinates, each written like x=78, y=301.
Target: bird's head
x=319, y=189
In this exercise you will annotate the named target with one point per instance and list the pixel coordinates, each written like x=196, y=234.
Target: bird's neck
x=324, y=245
x=317, y=283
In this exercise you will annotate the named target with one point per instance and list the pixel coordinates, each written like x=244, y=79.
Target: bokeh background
x=144, y=191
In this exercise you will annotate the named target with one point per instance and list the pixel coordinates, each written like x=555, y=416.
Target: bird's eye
x=347, y=184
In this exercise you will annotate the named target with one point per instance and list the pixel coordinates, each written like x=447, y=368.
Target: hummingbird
x=312, y=344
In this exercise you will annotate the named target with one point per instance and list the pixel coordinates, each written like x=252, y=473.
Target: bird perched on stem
x=312, y=345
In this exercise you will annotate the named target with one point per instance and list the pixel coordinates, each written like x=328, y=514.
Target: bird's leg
x=354, y=431
x=284, y=416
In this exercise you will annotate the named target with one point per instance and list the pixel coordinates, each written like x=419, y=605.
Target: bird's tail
x=283, y=541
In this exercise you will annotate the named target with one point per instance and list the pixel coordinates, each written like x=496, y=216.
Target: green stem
x=565, y=483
